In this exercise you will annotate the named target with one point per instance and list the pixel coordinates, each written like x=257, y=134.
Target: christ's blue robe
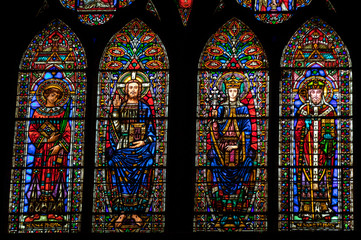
x=130, y=168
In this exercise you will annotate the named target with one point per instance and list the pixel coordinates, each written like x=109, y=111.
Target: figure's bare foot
x=137, y=220
x=55, y=217
x=32, y=218
x=119, y=221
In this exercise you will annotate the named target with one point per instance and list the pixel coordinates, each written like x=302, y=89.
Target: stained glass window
x=95, y=12
x=150, y=7
x=316, y=153
x=131, y=138
x=232, y=123
x=47, y=166
x=273, y=11
x=184, y=9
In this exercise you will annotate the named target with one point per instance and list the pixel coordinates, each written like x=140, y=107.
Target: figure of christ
x=48, y=189
x=230, y=153
x=131, y=154
x=315, y=141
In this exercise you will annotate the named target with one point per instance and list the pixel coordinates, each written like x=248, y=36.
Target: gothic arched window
x=232, y=124
x=316, y=154
x=47, y=166
x=131, y=138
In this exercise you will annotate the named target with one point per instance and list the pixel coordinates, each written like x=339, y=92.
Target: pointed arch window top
x=233, y=46
x=315, y=41
x=135, y=47
x=56, y=46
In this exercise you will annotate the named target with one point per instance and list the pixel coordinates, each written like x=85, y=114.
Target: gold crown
x=233, y=83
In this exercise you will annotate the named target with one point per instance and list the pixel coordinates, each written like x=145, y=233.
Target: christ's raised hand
x=117, y=101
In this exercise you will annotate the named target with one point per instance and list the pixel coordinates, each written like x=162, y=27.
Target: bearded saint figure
x=315, y=142
x=130, y=154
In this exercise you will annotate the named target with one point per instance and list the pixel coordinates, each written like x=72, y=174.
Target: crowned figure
x=230, y=154
x=315, y=146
